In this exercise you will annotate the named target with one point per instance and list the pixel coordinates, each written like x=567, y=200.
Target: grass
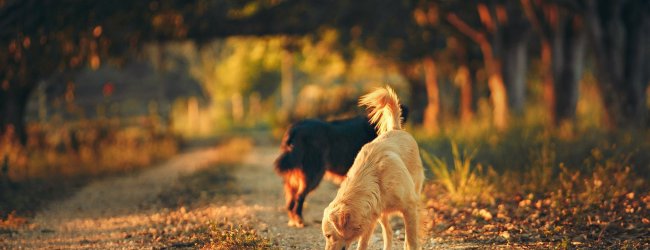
x=235, y=237
x=86, y=148
x=541, y=189
x=462, y=181
x=214, y=235
x=58, y=159
x=533, y=156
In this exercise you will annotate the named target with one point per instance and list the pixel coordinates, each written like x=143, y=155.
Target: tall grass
x=463, y=181
x=593, y=166
x=86, y=148
x=59, y=157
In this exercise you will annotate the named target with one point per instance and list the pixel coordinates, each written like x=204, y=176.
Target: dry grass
x=213, y=235
x=463, y=182
x=87, y=148
x=588, y=191
x=224, y=236
x=57, y=159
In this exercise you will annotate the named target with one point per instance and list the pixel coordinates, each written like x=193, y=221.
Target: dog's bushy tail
x=385, y=111
x=290, y=157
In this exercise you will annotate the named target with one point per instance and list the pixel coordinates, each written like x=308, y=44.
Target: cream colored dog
x=386, y=178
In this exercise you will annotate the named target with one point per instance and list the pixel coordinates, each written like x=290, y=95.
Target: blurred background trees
x=207, y=67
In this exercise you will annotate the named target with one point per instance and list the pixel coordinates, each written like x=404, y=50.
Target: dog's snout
x=343, y=248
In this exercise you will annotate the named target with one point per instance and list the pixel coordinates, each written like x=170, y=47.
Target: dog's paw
x=296, y=223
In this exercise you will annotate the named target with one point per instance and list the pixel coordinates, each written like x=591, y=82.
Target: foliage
x=462, y=182
x=242, y=78
x=59, y=158
x=223, y=234
x=547, y=193
x=233, y=237
x=92, y=148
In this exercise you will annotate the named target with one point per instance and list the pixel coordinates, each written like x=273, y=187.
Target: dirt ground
x=117, y=212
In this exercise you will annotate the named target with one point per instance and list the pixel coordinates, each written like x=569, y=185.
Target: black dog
x=312, y=148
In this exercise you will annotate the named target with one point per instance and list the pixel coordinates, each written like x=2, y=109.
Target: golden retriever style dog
x=385, y=178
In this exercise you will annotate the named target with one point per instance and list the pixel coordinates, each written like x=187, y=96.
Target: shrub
x=462, y=181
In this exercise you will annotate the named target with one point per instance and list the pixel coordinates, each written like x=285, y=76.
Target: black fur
x=315, y=147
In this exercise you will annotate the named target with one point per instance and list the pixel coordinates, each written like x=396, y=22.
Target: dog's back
x=336, y=143
x=402, y=150
x=339, y=140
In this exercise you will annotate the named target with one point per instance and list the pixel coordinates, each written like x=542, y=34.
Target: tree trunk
x=498, y=92
x=287, y=79
x=514, y=71
x=432, y=111
x=491, y=49
x=418, y=100
x=569, y=48
x=13, y=102
x=499, y=99
x=464, y=80
x=548, y=84
x=617, y=30
x=513, y=35
x=633, y=83
x=562, y=56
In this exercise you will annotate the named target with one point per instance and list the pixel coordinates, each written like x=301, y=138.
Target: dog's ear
x=340, y=219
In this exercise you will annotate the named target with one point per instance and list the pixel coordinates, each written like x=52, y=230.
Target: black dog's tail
x=290, y=157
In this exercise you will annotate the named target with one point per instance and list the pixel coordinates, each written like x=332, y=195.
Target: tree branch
x=464, y=28
x=536, y=16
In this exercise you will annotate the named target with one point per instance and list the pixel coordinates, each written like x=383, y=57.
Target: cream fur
x=386, y=178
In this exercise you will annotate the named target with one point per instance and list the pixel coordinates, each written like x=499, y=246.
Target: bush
x=462, y=182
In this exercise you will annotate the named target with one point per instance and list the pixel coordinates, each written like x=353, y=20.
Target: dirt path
x=124, y=212
x=265, y=189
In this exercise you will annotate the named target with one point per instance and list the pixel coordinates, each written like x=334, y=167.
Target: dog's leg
x=299, y=200
x=365, y=237
x=314, y=170
x=411, y=224
x=298, y=209
x=387, y=231
x=290, y=194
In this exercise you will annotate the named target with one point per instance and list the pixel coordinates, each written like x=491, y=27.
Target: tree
x=39, y=38
x=563, y=44
x=403, y=31
x=619, y=32
x=501, y=33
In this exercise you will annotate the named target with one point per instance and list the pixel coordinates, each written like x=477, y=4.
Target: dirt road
x=124, y=212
